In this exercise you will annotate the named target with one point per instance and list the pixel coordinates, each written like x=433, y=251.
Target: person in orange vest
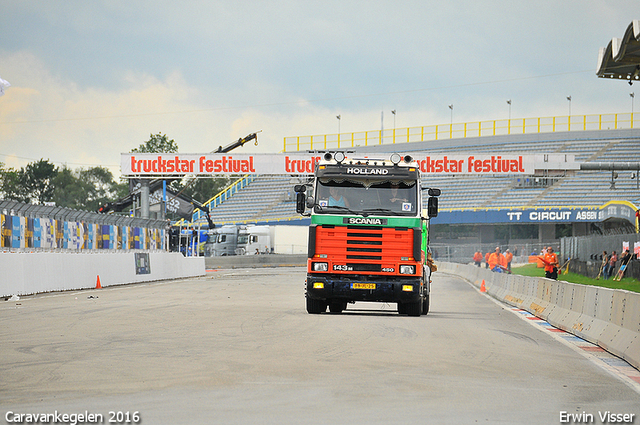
x=477, y=258
x=551, y=264
x=497, y=262
x=486, y=260
x=508, y=256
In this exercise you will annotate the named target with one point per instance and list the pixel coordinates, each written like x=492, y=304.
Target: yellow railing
x=464, y=130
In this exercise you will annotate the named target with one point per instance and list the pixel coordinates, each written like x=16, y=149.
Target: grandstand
x=269, y=199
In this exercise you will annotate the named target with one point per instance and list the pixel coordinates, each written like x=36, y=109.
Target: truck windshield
x=243, y=239
x=389, y=197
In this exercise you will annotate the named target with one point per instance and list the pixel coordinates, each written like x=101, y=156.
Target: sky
x=93, y=79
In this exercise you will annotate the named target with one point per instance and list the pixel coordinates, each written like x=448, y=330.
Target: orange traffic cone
x=98, y=286
x=482, y=287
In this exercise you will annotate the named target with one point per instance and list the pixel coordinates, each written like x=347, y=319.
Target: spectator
x=477, y=258
x=612, y=265
x=486, y=260
x=624, y=261
x=497, y=262
x=604, y=266
x=508, y=256
x=551, y=264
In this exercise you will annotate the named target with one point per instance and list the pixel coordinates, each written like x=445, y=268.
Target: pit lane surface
x=237, y=347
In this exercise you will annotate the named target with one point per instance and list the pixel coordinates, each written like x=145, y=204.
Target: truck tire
x=414, y=309
x=337, y=306
x=316, y=306
x=425, y=304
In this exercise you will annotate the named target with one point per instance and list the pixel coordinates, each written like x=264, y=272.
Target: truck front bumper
x=361, y=288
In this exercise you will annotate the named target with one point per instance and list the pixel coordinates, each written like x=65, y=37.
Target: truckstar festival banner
x=175, y=164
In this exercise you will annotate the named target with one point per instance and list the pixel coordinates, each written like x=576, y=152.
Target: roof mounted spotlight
x=395, y=158
x=408, y=159
x=339, y=157
x=327, y=156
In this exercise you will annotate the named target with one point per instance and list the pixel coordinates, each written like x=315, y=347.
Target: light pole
x=339, y=119
x=509, y=103
x=451, y=107
x=393, y=111
x=632, y=95
x=569, y=99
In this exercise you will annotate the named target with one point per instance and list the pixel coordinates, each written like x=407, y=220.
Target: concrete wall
x=31, y=273
x=256, y=261
x=609, y=318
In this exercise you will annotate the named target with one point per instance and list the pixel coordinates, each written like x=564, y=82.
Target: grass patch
x=626, y=283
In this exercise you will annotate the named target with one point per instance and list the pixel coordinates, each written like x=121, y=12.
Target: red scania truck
x=368, y=238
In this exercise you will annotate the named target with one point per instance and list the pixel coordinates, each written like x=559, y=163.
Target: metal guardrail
x=8, y=207
x=464, y=130
x=41, y=227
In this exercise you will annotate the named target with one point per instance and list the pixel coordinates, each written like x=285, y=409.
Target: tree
x=10, y=185
x=37, y=179
x=87, y=189
x=201, y=189
x=158, y=143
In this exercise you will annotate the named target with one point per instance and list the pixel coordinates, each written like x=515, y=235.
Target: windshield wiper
x=382, y=210
x=340, y=207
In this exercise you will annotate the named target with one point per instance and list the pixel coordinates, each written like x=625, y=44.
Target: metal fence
x=463, y=253
x=464, y=130
x=585, y=252
x=41, y=227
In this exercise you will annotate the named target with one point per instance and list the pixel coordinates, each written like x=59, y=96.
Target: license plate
x=363, y=286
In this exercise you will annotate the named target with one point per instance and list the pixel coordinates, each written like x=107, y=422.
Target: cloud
x=92, y=80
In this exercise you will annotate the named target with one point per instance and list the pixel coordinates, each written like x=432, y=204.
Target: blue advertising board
x=539, y=215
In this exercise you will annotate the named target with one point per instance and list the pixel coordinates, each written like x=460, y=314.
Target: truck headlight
x=405, y=269
x=320, y=267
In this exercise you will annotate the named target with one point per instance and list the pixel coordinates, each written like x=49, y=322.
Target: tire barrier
x=607, y=317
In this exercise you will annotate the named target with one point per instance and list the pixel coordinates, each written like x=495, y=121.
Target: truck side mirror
x=300, y=202
x=432, y=207
x=311, y=202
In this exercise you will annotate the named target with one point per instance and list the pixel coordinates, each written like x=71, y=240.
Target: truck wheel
x=425, y=305
x=316, y=306
x=414, y=309
x=337, y=306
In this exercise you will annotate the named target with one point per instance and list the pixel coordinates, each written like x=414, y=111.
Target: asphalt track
x=237, y=347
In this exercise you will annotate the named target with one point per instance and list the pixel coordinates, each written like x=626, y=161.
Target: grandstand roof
x=621, y=58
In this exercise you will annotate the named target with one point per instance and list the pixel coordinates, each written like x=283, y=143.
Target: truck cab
x=254, y=240
x=368, y=238
x=226, y=241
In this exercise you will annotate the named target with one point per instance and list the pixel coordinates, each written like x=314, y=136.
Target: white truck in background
x=255, y=240
x=252, y=240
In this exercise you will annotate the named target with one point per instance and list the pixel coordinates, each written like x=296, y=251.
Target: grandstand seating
x=271, y=198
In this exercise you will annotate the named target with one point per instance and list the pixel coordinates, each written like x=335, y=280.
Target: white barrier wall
x=32, y=273
x=607, y=317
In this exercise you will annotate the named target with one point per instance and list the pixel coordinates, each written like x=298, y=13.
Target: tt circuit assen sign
x=175, y=164
x=614, y=209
